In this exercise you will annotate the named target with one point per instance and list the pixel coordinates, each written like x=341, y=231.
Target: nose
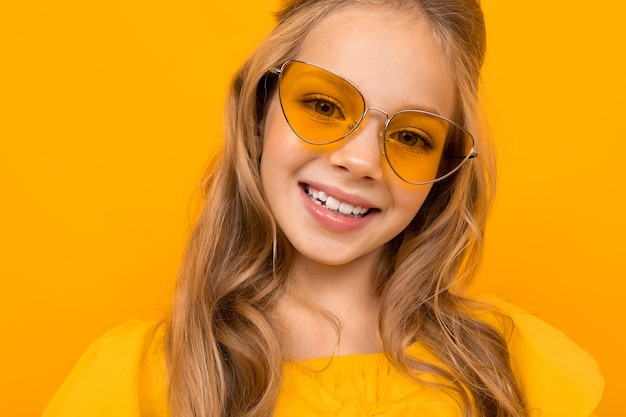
x=359, y=155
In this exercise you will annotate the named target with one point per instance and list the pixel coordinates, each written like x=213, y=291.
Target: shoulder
x=121, y=374
x=559, y=378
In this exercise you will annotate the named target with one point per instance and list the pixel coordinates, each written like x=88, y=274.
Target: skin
x=394, y=61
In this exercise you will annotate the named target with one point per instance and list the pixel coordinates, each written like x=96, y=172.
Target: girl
x=342, y=224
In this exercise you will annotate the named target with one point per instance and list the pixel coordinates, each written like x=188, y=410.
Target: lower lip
x=333, y=220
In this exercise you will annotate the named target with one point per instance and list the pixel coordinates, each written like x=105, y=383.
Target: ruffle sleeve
x=559, y=379
x=122, y=374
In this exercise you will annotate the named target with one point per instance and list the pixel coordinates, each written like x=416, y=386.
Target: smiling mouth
x=333, y=204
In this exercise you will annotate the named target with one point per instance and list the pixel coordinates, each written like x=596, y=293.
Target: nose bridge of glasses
x=384, y=125
x=379, y=110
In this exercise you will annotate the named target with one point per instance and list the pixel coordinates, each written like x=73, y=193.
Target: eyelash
x=309, y=99
x=428, y=143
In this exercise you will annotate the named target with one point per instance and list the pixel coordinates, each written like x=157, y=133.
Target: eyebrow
x=329, y=75
x=423, y=108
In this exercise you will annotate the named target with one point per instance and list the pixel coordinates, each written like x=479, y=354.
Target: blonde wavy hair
x=223, y=354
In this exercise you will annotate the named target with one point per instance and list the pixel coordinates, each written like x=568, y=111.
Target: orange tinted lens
x=321, y=107
x=423, y=147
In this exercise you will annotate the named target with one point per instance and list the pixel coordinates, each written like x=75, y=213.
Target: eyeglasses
x=322, y=107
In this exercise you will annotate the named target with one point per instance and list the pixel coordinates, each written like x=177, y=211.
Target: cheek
x=270, y=125
x=275, y=130
x=282, y=149
x=409, y=200
x=283, y=154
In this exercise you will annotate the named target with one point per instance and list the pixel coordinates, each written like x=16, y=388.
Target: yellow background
x=108, y=111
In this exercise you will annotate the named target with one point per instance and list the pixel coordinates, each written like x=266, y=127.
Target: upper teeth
x=332, y=203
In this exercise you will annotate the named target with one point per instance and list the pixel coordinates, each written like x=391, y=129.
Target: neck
x=334, y=287
x=329, y=309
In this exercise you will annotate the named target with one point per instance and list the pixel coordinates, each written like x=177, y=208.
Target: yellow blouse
x=558, y=378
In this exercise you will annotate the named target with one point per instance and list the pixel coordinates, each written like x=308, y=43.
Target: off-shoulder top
x=558, y=378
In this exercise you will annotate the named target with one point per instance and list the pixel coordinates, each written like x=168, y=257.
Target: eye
x=322, y=106
x=325, y=108
x=413, y=139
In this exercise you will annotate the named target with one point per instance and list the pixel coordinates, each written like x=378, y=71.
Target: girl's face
x=393, y=60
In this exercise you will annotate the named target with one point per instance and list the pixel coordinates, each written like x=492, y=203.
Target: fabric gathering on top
x=559, y=379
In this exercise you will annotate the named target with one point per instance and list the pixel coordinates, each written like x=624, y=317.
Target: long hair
x=223, y=354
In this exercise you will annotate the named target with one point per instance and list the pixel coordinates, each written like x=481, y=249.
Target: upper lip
x=343, y=196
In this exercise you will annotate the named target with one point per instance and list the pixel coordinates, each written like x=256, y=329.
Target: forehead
x=389, y=54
